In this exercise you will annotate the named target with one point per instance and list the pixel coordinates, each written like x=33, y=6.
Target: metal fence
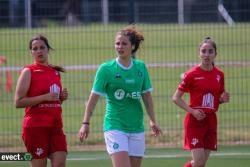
x=82, y=34
x=37, y=13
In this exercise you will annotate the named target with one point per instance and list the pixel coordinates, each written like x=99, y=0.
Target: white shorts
x=117, y=141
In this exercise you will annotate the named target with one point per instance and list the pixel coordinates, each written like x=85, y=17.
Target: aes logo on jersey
x=120, y=94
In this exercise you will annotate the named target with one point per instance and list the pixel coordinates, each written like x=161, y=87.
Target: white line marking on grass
x=187, y=155
x=160, y=156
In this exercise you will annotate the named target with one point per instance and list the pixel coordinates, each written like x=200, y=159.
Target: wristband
x=85, y=123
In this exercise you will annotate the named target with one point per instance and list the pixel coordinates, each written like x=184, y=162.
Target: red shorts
x=42, y=141
x=200, y=134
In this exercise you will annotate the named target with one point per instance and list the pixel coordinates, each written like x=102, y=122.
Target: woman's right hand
x=83, y=132
x=198, y=114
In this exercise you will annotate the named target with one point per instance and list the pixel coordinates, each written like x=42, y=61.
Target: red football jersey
x=44, y=79
x=205, y=88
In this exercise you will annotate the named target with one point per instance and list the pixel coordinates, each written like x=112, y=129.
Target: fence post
x=131, y=11
x=28, y=14
x=181, y=12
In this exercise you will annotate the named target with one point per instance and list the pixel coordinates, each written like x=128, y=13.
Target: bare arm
x=148, y=102
x=22, y=88
x=84, y=130
x=177, y=99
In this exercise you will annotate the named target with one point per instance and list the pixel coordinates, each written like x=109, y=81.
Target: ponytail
x=58, y=68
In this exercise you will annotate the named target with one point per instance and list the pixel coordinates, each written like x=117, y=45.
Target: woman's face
x=207, y=54
x=123, y=46
x=39, y=51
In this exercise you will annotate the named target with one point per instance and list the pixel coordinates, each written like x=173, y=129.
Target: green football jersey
x=123, y=88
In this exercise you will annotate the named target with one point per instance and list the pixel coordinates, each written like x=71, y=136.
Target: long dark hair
x=45, y=40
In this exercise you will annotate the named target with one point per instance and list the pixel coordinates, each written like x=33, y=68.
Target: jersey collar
x=122, y=66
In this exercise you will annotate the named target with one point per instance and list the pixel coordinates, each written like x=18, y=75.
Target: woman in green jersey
x=124, y=81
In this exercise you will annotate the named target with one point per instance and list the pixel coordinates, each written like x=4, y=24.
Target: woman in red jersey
x=39, y=91
x=205, y=84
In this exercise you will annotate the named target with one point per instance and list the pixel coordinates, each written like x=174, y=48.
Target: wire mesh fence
x=82, y=40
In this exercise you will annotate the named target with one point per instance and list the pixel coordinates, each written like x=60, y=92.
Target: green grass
x=164, y=43
x=226, y=156
x=93, y=44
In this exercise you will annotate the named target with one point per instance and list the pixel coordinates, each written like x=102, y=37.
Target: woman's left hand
x=224, y=98
x=64, y=94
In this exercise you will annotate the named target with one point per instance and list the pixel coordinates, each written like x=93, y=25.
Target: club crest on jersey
x=218, y=78
x=139, y=73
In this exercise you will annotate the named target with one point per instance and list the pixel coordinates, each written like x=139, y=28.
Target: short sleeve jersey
x=44, y=79
x=205, y=88
x=123, y=88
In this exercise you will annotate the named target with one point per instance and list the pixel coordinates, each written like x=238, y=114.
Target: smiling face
x=207, y=54
x=123, y=46
x=39, y=51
